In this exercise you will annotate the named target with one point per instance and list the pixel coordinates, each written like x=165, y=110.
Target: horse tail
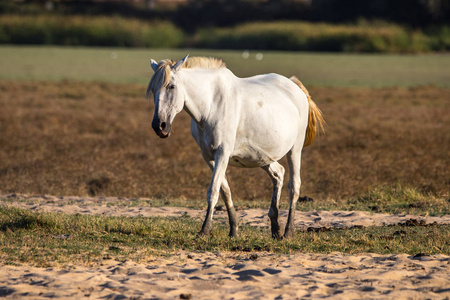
x=315, y=116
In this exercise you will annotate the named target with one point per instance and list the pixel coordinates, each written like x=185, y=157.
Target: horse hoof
x=277, y=236
x=233, y=235
x=203, y=234
x=288, y=234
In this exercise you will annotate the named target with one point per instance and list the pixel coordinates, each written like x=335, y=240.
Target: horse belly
x=257, y=153
x=249, y=160
x=265, y=139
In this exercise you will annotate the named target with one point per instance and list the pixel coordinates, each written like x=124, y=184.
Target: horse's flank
x=161, y=78
x=315, y=118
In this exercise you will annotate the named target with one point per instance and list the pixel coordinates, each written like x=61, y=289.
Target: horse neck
x=203, y=86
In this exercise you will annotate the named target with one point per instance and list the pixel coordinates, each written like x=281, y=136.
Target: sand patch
x=198, y=275
x=237, y=275
x=252, y=217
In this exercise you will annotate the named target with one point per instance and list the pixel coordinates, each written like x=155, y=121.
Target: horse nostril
x=163, y=125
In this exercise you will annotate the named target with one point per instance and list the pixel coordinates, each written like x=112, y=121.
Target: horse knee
x=276, y=173
x=279, y=173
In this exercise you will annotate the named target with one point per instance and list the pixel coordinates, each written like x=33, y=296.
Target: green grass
x=121, y=65
x=47, y=239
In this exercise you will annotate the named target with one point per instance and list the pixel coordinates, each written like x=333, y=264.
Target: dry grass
x=71, y=138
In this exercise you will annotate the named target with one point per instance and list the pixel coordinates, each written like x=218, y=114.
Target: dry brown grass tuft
x=72, y=138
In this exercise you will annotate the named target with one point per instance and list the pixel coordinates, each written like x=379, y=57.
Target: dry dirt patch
x=113, y=206
x=71, y=138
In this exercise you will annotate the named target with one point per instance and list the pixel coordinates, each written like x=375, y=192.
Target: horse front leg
x=225, y=193
x=276, y=173
x=220, y=166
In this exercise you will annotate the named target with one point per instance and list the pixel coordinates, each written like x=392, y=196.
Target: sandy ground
x=206, y=275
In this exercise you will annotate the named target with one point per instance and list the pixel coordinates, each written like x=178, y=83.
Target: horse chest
x=211, y=138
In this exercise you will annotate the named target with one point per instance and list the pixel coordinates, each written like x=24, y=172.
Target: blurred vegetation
x=363, y=37
x=88, y=31
x=218, y=13
x=294, y=36
x=400, y=26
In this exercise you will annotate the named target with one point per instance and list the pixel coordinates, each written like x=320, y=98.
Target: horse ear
x=154, y=65
x=180, y=64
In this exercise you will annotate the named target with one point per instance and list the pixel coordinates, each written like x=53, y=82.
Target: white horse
x=243, y=122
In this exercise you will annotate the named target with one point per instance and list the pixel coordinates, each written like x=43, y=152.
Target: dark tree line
x=414, y=13
x=216, y=13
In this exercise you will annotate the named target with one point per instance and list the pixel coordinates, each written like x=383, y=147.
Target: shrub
x=294, y=36
x=315, y=37
x=440, y=38
x=88, y=31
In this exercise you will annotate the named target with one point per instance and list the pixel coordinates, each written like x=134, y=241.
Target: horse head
x=168, y=94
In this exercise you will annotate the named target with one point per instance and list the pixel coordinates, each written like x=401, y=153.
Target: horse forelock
x=161, y=77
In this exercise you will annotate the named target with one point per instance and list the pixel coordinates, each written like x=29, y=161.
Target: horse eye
x=170, y=87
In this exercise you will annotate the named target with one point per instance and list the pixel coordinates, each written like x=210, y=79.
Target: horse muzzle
x=163, y=134
x=162, y=129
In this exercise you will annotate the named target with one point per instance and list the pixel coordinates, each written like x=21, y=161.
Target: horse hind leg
x=294, y=162
x=276, y=173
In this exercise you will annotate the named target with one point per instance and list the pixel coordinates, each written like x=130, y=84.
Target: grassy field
x=49, y=239
x=133, y=66
x=75, y=122
x=104, y=127
x=68, y=128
